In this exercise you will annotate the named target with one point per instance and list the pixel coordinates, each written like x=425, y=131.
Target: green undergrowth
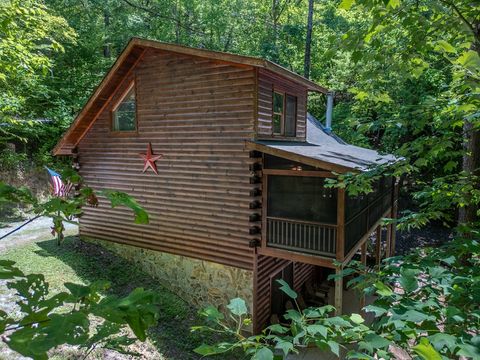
x=80, y=262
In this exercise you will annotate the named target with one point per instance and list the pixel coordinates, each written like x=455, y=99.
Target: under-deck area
x=312, y=284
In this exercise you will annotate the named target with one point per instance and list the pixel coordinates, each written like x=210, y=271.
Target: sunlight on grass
x=80, y=262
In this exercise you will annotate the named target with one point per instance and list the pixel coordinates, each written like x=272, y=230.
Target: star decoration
x=149, y=159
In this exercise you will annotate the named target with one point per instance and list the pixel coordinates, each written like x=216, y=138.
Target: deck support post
x=378, y=245
x=394, y=216
x=392, y=239
x=388, y=244
x=340, y=246
x=338, y=292
x=364, y=263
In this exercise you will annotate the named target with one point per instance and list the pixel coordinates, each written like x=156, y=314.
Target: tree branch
x=161, y=16
x=463, y=18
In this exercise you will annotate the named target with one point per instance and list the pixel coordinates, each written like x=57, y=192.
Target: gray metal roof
x=327, y=147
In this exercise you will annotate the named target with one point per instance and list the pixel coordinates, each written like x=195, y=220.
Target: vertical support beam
x=364, y=263
x=394, y=216
x=340, y=253
x=338, y=292
x=378, y=245
x=388, y=243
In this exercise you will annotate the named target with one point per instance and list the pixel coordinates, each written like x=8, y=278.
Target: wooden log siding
x=266, y=268
x=197, y=113
x=267, y=82
x=302, y=273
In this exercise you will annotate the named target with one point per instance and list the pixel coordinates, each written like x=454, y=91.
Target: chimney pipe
x=328, y=115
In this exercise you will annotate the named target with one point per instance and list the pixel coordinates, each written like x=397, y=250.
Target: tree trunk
x=471, y=165
x=471, y=158
x=106, y=44
x=308, y=41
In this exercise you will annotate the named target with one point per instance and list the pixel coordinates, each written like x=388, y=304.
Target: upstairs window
x=124, y=117
x=284, y=119
x=278, y=112
x=290, y=115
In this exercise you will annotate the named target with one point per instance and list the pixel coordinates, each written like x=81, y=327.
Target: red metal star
x=150, y=159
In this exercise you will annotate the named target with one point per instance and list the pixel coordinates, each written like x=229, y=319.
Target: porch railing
x=303, y=236
x=359, y=225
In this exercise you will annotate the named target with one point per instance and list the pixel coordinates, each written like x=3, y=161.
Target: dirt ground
x=34, y=231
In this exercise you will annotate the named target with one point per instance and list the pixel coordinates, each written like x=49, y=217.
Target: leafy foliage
x=406, y=74
x=418, y=97
x=426, y=303
x=81, y=316
x=68, y=208
x=303, y=328
x=29, y=35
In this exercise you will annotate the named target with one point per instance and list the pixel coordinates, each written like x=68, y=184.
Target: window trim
x=132, y=85
x=283, y=114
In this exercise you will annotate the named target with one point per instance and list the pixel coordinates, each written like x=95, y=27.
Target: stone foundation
x=198, y=282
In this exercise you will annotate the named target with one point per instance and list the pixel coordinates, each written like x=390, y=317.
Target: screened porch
x=302, y=215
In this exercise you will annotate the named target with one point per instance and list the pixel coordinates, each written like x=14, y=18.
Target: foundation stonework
x=198, y=282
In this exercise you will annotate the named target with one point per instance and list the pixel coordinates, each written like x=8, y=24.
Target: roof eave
x=341, y=169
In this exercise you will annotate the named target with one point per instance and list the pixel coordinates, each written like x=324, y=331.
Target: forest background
x=405, y=73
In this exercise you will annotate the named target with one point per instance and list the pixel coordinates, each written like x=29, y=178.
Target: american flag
x=59, y=188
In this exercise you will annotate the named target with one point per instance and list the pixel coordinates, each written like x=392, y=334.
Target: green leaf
x=408, y=279
x=238, y=307
x=287, y=289
x=415, y=316
x=445, y=46
x=78, y=291
x=285, y=346
x=379, y=311
x=334, y=347
x=469, y=60
x=277, y=328
x=346, y=4
x=441, y=339
x=357, y=319
x=382, y=289
x=67, y=329
x=120, y=198
x=425, y=350
x=338, y=321
x=393, y=4
x=263, y=353
x=207, y=350
x=377, y=341
x=293, y=315
x=211, y=313
x=469, y=351
x=317, y=329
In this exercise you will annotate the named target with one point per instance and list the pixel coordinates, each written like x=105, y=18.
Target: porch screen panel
x=301, y=198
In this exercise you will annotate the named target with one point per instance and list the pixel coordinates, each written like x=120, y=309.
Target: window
x=291, y=116
x=284, y=120
x=278, y=102
x=124, y=114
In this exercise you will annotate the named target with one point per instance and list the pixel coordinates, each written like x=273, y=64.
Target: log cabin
x=220, y=150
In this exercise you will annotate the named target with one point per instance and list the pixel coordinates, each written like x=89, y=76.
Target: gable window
x=284, y=119
x=124, y=117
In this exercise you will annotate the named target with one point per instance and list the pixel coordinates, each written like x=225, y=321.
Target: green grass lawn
x=80, y=262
